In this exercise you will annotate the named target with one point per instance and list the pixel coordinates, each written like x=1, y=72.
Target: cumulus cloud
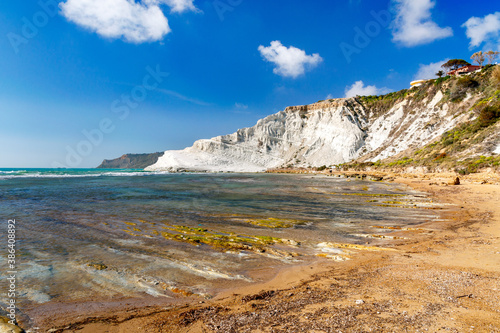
x=289, y=61
x=359, y=89
x=481, y=30
x=180, y=6
x=413, y=24
x=426, y=72
x=135, y=22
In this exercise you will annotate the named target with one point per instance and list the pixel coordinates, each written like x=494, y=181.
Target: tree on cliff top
x=479, y=57
x=454, y=64
x=491, y=55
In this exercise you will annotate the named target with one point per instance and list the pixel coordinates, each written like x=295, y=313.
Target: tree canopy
x=491, y=55
x=479, y=57
x=455, y=64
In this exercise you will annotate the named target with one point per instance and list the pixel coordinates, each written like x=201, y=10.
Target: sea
x=95, y=235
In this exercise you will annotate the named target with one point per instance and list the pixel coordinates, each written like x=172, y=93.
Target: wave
x=56, y=173
x=140, y=173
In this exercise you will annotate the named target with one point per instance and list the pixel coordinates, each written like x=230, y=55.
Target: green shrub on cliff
x=457, y=149
x=473, y=165
x=489, y=115
x=440, y=80
x=495, y=75
x=467, y=82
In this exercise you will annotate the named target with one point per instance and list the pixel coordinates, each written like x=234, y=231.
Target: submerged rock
x=98, y=266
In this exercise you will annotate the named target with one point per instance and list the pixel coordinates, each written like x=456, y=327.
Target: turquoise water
x=68, y=173
x=134, y=234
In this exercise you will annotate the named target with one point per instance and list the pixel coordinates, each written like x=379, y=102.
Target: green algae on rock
x=97, y=266
x=275, y=223
x=228, y=241
x=375, y=194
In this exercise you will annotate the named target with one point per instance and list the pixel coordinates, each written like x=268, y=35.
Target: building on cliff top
x=464, y=70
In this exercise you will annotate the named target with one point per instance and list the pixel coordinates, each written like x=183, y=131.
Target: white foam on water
x=38, y=174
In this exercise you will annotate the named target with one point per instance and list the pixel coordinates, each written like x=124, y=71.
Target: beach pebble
x=5, y=327
x=360, y=301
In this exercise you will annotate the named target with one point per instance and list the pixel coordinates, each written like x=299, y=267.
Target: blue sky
x=69, y=67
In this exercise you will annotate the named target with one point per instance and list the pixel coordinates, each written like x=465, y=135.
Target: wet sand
x=443, y=277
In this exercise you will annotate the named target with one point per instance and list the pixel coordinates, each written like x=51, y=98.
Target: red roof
x=465, y=69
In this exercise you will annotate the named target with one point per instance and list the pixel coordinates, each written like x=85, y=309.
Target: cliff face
x=131, y=161
x=316, y=134
x=335, y=131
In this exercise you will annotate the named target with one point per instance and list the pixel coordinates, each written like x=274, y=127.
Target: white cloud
x=359, y=88
x=135, y=22
x=413, y=24
x=180, y=6
x=486, y=29
x=182, y=97
x=290, y=61
x=426, y=72
x=241, y=106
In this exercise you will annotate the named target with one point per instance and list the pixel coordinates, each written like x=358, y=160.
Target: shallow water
x=101, y=234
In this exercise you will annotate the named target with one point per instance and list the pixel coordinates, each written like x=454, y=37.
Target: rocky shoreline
x=444, y=279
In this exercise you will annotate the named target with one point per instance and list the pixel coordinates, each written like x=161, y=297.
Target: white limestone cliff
x=324, y=133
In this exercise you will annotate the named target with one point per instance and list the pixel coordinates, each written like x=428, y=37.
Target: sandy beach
x=444, y=276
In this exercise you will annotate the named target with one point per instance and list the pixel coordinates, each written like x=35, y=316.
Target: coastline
x=454, y=268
